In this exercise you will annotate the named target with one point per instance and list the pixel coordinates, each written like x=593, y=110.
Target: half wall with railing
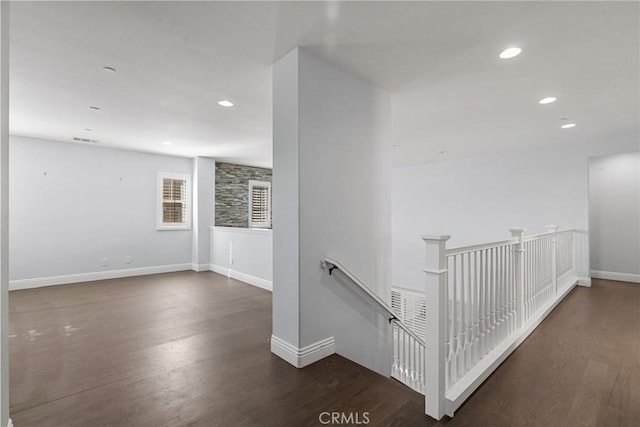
x=482, y=301
x=478, y=304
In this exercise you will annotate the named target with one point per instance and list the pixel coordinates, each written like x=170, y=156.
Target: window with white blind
x=259, y=204
x=174, y=201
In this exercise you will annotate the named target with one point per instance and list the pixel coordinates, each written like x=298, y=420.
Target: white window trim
x=160, y=225
x=266, y=224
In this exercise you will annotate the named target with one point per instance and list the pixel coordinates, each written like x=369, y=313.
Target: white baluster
x=494, y=298
x=501, y=291
x=519, y=274
x=512, y=289
x=463, y=315
x=454, y=323
x=469, y=308
x=394, y=366
x=476, y=306
x=554, y=257
x=487, y=303
x=482, y=304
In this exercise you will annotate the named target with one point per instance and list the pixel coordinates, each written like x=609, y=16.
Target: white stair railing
x=408, y=352
x=479, y=303
x=482, y=301
x=408, y=357
x=408, y=361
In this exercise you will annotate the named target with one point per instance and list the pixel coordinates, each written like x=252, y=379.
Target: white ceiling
x=450, y=91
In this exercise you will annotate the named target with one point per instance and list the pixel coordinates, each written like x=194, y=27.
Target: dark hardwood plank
x=173, y=349
x=192, y=349
x=580, y=367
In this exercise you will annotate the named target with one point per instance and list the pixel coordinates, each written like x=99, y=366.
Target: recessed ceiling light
x=510, y=53
x=568, y=125
x=110, y=70
x=166, y=142
x=443, y=152
x=394, y=145
x=225, y=103
x=94, y=108
x=548, y=100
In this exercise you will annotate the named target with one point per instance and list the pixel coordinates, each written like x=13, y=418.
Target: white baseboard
x=612, y=275
x=220, y=270
x=38, y=282
x=301, y=357
x=243, y=277
x=200, y=267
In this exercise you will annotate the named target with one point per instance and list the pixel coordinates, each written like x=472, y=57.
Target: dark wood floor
x=173, y=350
x=192, y=349
x=580, y=367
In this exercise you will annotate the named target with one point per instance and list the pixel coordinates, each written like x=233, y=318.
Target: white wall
x=4, y=218
x=331, y=196
x=285, y=190
x=614, y=216
x=204, y=172
x=71, y=205
x=243, y=253
x=477, y=199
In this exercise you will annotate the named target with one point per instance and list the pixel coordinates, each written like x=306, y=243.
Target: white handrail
x=333, y=264
x=472, y=248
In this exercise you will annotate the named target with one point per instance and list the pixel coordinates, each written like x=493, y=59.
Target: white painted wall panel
x=71, y=205
x=477, y=199
x=614, y=213
x=243, y=250
x=203, y=210
x=331, y=196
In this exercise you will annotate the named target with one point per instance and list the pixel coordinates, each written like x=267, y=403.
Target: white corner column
x=285, y=196
x=4, y=214
x=204, y=170
x=331, y=196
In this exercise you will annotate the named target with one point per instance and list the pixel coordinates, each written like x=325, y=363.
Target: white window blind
x=174, y=201
x=259, y=204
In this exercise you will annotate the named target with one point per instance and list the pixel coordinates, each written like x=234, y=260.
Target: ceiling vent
x=77, y=139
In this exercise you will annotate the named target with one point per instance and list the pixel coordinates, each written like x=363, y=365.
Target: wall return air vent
x=77, y=139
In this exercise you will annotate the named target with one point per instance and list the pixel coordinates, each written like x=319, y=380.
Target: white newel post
x=436, y=300
x=518, y=269
x=554, y=256
x=581, y=257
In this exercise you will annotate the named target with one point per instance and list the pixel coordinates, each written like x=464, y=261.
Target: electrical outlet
x=127, y=260
x=104, y=262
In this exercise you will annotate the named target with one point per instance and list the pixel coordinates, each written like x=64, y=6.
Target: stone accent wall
x=232, y=193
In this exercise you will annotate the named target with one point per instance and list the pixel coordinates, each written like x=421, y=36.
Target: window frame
x=160, y=224
x=267, y=223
